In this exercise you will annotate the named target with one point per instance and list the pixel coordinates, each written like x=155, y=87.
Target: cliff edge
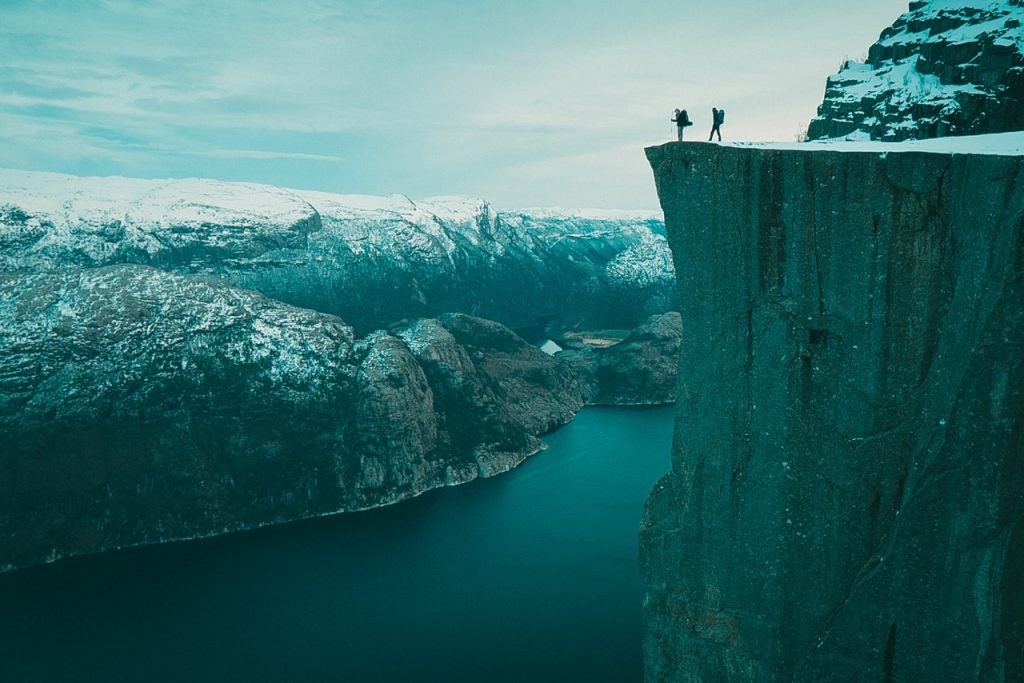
x=847, y=489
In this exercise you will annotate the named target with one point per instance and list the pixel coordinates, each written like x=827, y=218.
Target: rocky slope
x=946, y=67
x=640, y=370
x=846, y=501
x=139, y=406
x=371, y=260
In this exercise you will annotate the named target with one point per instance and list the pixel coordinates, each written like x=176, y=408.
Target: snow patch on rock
x=946, y=67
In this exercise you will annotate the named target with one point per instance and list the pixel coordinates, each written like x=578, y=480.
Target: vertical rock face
x=946, y=67
x=847, y=489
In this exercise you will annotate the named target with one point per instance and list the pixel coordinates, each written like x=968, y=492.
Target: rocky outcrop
x=139, y=406
x=371, y=260
x=481, y=368
x=846, y=501
x=946, y=67
x=640, y=370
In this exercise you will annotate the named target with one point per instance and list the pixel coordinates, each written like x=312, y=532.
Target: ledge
x=998, y=144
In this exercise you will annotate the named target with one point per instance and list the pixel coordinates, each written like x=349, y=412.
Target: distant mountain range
x=370, y=260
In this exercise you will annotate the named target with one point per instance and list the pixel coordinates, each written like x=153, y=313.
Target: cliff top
x=996, y=144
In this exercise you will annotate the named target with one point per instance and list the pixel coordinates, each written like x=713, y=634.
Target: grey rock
x=481, y=368
x=846, y=501
x=137, y=406
x=643, y=368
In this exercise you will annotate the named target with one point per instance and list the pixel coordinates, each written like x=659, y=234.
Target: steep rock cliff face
x=139, y=406
x=946, y=67
x=847, y=489
x=370, y=260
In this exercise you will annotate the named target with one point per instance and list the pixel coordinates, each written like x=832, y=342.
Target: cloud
x=264, y=154
x=515, y=99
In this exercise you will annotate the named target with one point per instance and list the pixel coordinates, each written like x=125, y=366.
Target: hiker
x=682, y=120
x=717, y=119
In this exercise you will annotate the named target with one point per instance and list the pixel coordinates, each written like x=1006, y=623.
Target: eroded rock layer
x=847, y=489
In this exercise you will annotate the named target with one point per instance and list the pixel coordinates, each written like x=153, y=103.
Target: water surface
x=530, y=576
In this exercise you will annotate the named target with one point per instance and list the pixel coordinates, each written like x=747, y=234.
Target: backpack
x=721, y=116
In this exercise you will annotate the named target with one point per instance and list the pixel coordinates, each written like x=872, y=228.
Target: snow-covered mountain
x=371, y=260
x=946, y=67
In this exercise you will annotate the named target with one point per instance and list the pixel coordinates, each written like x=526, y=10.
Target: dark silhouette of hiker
x=717, y=119
x=682, y=120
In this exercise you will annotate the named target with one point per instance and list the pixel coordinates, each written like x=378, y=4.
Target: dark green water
x=528, y=577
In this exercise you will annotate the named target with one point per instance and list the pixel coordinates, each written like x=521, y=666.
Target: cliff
x=946, y=67
x=139, y=406
x=847, y=489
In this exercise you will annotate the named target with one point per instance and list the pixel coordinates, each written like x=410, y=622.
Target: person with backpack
x=682, y=120
x=717, y=119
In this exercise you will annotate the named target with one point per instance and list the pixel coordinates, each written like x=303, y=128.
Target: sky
x=528, y=103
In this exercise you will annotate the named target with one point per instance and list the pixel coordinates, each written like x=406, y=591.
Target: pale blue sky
x=529, y=103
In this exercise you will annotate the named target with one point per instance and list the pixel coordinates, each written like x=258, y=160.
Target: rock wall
x=946, y=67
x=847, y=490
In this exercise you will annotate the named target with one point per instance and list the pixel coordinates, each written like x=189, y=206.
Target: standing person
x=717, y=119
x=682, y=120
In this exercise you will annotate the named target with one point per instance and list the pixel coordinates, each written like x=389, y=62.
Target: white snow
x=50, y=218
x=159, y=202
x=646, y=264
x=74, y=199
x=894, y=99
x=998, y=144
x=993, y=16
x=904, y=83
x=557, y=213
